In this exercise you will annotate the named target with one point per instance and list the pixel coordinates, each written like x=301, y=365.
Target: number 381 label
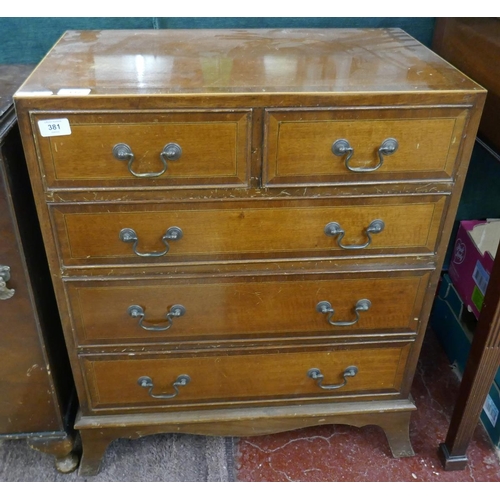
x=59, y=126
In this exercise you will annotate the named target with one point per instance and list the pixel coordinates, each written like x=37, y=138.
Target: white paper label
x=481, y=277
x=58, y=126
x=24, y=93
x=491, y=410
x=73, y=92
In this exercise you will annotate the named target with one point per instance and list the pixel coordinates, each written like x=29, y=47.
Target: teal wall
x=27, y=40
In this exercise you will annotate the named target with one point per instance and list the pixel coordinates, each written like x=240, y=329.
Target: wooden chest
x=37, y=400
x=245, y=227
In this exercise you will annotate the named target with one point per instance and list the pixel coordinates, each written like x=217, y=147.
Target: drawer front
x=92, y=234
x=299, y=145
x=214, y=149
x=225, y=379
x=256, y=307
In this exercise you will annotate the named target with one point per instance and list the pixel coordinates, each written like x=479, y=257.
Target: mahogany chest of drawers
x=37, y=400
x=245, y=227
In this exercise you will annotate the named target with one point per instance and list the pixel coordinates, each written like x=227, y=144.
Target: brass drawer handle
x=147, y=382
x=335, y=229
x=342, y=147
x=138, y=312
x=170, y=152
x=315, y=374
x=5, y=293
x=173, y=233
x=325, y=307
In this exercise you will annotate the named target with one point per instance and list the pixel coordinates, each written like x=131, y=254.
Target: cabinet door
x=27, y=395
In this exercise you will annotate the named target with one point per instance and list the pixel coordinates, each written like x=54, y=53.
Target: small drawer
x=147, y=149
x=163, y=234
x=223, y=379
x=258, y=307
x=316, y=147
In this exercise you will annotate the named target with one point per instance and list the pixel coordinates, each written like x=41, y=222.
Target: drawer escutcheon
x=325, y=307
x=5, y=293
x=138, y=312
x=342, y=147
x=128, y=235
x=315, y=374
x=123, y=152
x=335, y=229
x=147, y=382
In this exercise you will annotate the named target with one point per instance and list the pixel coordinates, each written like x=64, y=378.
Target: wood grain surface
x=89, y=234
x=265, y=306
x=226, y=378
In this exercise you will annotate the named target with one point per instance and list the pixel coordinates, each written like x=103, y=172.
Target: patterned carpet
x=161, y=458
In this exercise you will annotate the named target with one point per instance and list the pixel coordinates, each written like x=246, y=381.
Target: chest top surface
x=263, y=61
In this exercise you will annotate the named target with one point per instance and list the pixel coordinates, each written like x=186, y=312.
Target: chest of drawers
x=245, y=228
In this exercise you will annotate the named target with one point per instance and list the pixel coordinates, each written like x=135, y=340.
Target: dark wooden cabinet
x=473, y=46
x=37, y=400
x=245, y=228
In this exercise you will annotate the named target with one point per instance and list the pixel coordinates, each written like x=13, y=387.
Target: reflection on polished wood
x=244, y=61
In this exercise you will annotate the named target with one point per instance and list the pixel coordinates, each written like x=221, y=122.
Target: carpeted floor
x=162, y=458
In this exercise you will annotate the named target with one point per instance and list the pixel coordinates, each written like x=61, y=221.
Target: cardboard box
x=472, y=260
x=455, y=337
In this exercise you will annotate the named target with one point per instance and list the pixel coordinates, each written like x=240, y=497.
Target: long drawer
x=143, y=150
x=361, y=146
x=174, y=309
x=226, y=379
x=110, y=234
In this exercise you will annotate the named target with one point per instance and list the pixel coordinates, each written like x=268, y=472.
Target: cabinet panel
x=168, y=150
x=97, y=234
x=236, y=308
x=224, y=379
x=302, y=146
